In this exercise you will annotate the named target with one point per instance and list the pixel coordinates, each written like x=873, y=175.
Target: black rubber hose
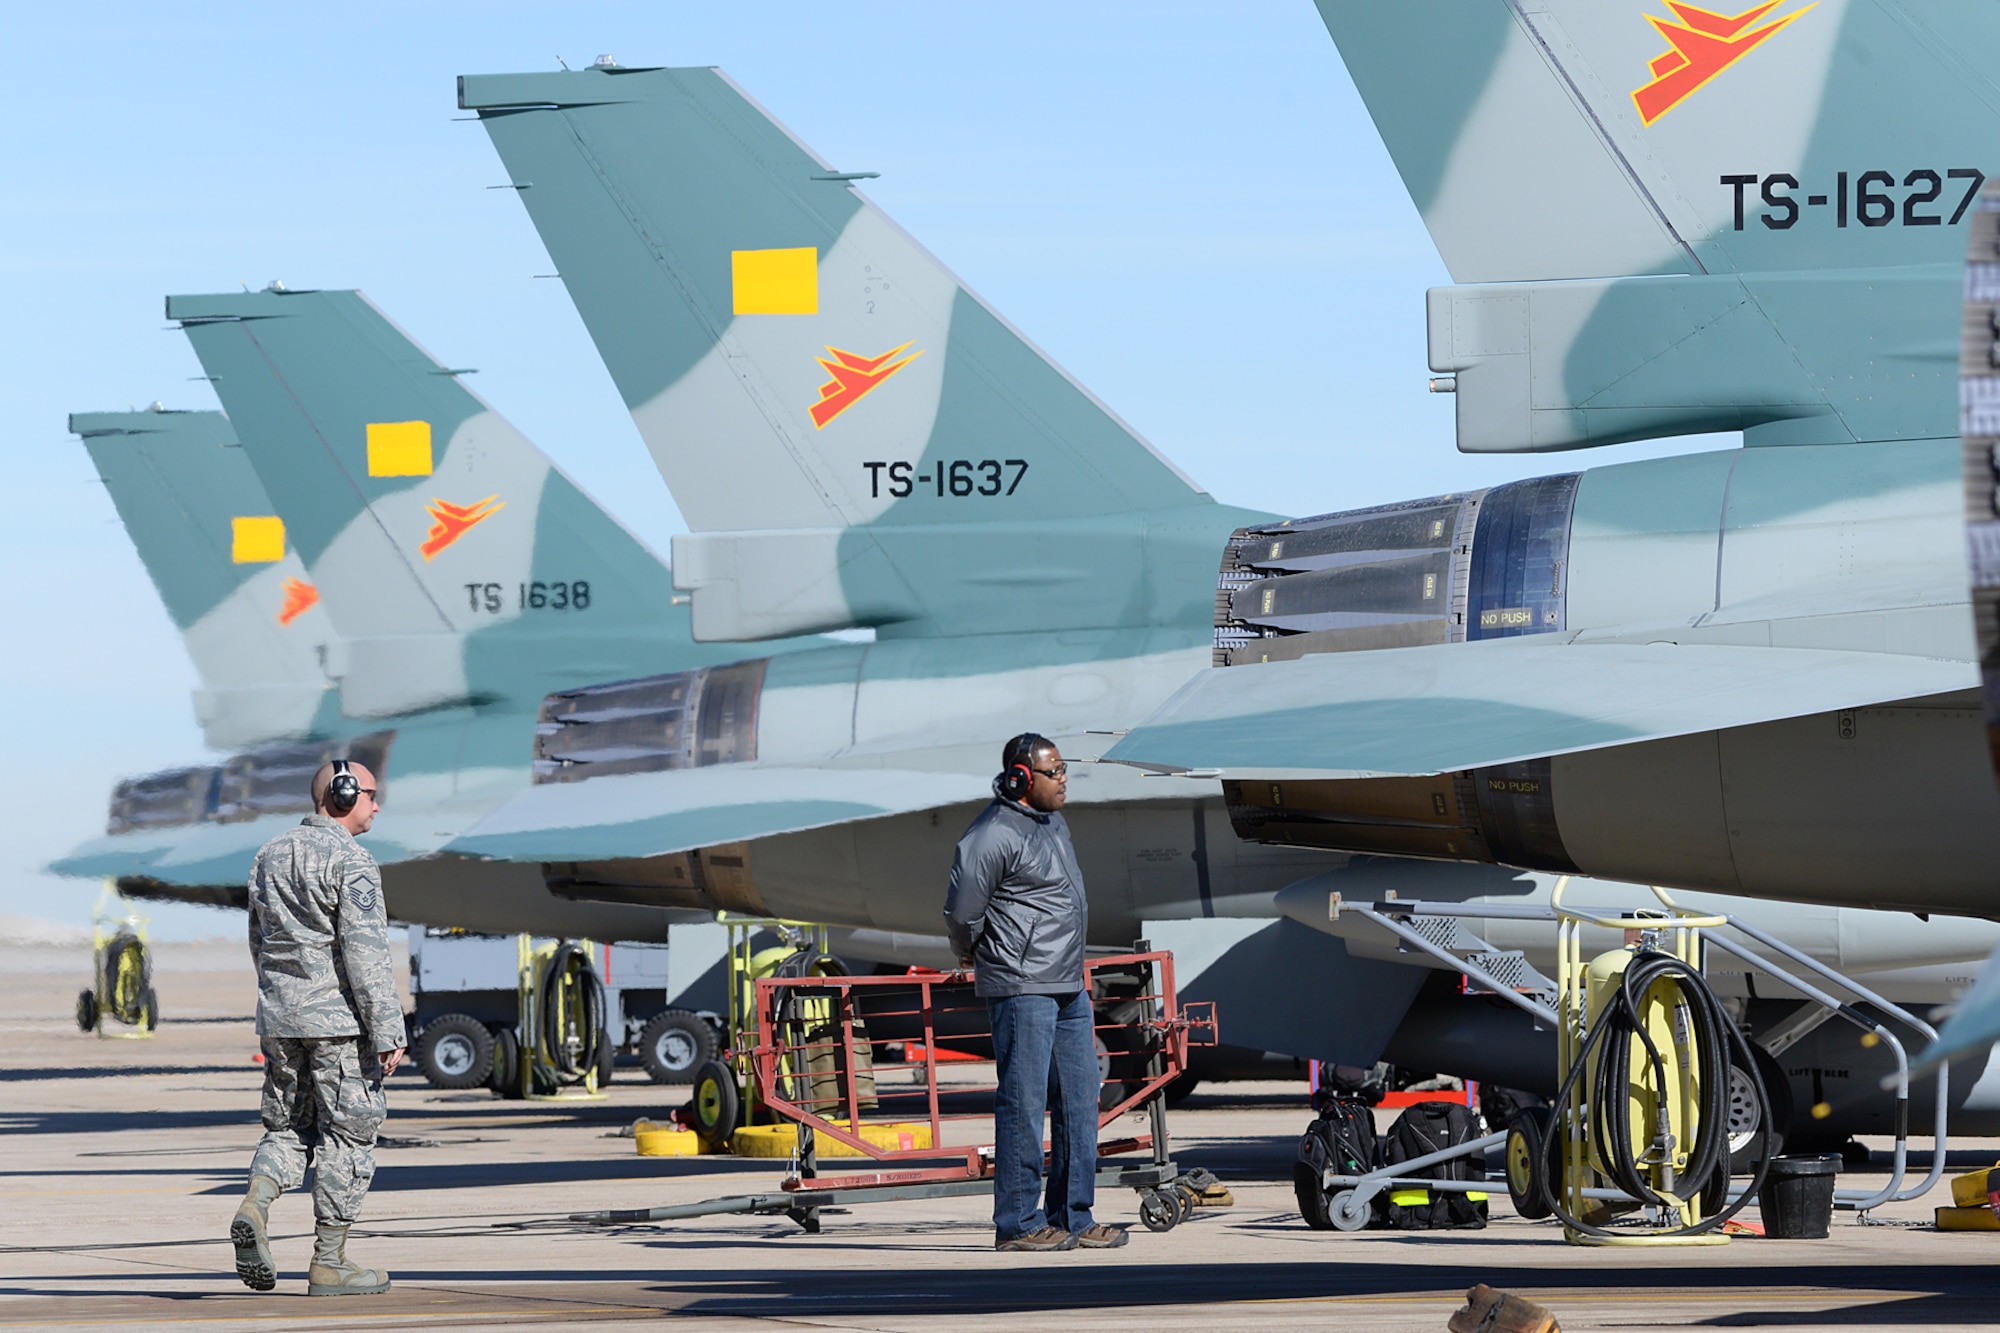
x=110, y=998
x=1713, y=1033
x=589, y=1010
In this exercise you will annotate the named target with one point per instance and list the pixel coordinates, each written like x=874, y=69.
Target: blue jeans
x=1047, y=1058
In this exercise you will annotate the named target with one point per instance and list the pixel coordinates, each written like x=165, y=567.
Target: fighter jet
x=1751, y=670
x=447, y=722
x=181, y=496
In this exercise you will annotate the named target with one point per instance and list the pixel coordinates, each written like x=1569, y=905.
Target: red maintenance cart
x=820, y=1068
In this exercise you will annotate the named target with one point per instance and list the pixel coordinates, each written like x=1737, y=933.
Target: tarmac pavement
x=122, y=1161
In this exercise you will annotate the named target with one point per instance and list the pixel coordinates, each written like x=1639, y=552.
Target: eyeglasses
x=369, y=792
x=1058, y=773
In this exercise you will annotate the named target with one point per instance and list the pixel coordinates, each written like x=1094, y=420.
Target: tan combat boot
x=249, y=1232
x=332, y=1275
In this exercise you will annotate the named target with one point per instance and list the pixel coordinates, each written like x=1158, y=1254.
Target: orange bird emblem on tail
x=1700, y=46
x=450, y=521
x=300, y=597
x=854, y=378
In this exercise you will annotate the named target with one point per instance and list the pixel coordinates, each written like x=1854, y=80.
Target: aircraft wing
x=202, y=854
x=654, y=814
x=1405, y=712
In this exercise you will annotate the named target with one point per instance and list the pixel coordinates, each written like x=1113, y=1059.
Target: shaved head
x=362, y=815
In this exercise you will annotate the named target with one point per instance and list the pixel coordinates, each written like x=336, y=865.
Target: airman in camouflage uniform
x=330, y=1024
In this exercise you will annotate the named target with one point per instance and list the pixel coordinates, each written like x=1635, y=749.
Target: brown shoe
x=1048, y=1238
x=1101, y=1237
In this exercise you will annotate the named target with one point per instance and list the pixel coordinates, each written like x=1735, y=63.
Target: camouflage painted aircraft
x=1751, y=670
x=783, y=316
x=216, y=551
x=181, y=496
x=444, y=712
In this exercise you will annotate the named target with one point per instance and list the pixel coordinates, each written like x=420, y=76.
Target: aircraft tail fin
x=853, y=436
x=219, y=555
x=1667, y=219
x=451, y=553
x=1575, y=139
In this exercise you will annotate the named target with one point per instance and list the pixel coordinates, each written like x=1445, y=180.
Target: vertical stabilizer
x=1673, y=219
x=220, y=557
x=1585, y=139
x=456, y=561
x=854, y=436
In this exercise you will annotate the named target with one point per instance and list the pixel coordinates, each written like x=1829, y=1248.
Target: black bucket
x=1796, y=1198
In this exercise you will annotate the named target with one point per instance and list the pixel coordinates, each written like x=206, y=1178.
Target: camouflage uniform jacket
x=320, y=936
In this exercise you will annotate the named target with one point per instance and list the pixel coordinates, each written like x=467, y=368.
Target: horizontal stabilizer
x=1442, y=708
x=635, y=815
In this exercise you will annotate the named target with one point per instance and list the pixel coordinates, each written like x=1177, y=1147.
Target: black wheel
x=86, y=1010
x=1159, y=1210
x=1746, y=1120
x=1347, y=1213
x=455, y=1051
x=505, y=1077
x=716, y=1104
x=1180, y=1089
x=149, y=1010
x=607, y=1058
x=1527, y=1163
x=674, y=1045
x=1121, y=1068
x=1313, y=1201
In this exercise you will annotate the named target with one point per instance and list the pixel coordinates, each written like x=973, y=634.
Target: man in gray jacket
x=330, y=1025
x=1016, y=914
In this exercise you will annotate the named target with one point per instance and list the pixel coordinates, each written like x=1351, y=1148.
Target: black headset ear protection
x=344, y=791
x=1015, y=782
x=1017, y=778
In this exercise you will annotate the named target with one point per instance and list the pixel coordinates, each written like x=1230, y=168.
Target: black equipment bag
x=1341, y=1137
x=1423, y=1129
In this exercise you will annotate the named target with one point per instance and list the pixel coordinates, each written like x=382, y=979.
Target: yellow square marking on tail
x=258, y=540
x=775, y=282
x=399, y=448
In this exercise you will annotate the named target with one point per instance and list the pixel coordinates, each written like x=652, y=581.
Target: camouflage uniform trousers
x=323, y=1104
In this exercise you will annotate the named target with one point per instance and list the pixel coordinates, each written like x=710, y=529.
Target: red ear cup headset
x=1016, y=781
x=1017, y=777
x=344, y=791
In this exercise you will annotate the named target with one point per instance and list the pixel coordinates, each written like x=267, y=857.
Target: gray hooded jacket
x=1016, y=903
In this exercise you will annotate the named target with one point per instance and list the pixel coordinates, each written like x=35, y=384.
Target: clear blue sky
x=1186, y=205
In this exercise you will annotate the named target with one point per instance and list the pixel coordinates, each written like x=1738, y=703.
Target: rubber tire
x=506, y=1076
x=86, y=1010
x=1743, y=1160
x=1159, y=1210
x=455, y=1051
x=1121, y=1068
x=717, y=1105
x=696, y=1046
x=1344, y=1217
x=1180, y=1089
x=1313, y=1201
x=607, y=1059
x=1526, y=1155
x=149, y=1010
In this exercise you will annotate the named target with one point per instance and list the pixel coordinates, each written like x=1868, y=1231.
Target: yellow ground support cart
x=1650, y=1065
x=122, y=987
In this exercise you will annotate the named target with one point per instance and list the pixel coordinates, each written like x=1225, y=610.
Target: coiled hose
x=1714, y=1034
x=570, y=1032
x=127, y=977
